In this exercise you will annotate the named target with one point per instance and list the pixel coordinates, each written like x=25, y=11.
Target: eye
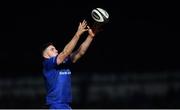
x=52, y=49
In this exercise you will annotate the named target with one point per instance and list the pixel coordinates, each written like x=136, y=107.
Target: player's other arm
x=83, y=47
x=71, y=45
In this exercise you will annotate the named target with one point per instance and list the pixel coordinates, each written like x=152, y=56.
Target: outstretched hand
x=82, y=27
x=91, y=33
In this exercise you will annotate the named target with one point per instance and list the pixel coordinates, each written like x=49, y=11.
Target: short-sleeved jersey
x=57, y=80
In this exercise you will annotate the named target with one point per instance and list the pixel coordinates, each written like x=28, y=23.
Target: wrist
x=90, y=36
x=78, y=34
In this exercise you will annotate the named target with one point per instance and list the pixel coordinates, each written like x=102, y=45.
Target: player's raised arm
x=70, y=46
x=83, y=47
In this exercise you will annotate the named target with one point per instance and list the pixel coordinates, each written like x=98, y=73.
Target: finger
x=88, y=27
x=84, y=26
x=84, y=23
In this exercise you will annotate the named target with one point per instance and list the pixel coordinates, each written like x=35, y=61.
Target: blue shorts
x=59, y=106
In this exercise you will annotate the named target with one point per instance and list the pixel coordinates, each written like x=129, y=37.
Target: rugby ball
x=100, y=15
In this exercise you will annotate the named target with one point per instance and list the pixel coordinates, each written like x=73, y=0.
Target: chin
x=55, y=54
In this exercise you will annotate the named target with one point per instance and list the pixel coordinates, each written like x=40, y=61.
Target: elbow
x=74, y=61
x=81, y=53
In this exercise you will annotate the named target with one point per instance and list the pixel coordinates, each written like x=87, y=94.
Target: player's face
x=51, y=51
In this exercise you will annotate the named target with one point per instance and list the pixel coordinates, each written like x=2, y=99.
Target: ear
x=45, y=55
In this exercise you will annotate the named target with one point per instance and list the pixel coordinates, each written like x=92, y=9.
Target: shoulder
x=50, y=61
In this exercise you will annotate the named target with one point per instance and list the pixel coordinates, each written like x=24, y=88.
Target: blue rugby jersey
x=57, y=81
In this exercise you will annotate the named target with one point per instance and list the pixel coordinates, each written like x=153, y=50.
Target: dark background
x=140, y=44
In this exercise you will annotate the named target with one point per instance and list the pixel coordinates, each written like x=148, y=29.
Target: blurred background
x=132, y=63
